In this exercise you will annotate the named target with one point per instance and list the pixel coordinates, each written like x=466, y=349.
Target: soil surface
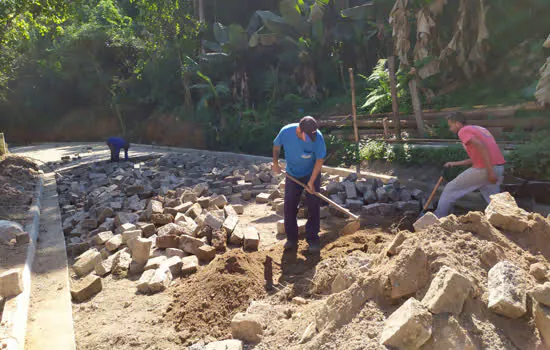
x=17, y=184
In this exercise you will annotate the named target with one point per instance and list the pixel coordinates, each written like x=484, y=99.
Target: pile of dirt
x=205, y=303
x=353, y=295
x=17, y=182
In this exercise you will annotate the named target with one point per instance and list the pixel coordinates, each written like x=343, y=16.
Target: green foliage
x=379, y=99
x=532, y=159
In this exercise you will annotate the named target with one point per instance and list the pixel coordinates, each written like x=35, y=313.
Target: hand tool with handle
x=439, y=182
x=350, y=227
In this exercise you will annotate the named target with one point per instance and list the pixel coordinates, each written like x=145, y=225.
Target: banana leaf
x=221, y=33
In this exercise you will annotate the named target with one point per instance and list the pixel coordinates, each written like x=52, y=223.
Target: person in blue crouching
x=305, y=151
x=115, y=145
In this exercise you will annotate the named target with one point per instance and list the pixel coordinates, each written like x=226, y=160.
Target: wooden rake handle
x=328, y=200
x=433, y=193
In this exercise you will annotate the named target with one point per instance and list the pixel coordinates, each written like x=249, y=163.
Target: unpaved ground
x=17, y=185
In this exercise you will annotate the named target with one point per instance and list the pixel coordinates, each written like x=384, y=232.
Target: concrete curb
x=16, y=310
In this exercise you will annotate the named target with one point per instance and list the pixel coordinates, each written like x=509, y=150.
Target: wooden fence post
x=417, y=106
x=394, y=100
x=354, y=111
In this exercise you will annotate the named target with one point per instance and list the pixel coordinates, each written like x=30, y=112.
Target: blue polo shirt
x=117, y=142
x=300, y=155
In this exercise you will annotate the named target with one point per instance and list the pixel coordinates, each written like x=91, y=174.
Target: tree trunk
x=417, y=106
x=394, y=100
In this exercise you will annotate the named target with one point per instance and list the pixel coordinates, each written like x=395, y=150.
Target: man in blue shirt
x=115, y=145
x=305, y=151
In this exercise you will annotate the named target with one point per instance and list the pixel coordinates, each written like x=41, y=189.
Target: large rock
x=190, y=244
x=190, y=264
x=102, y=237
x=213, y=221
x=11, y=283
x=351, y=190
x=9, y=230
x=507, y=296
x=161, y=280
x=504, y=213
x=542, y=321
x=124, y=218
x=121, y=264
x=427, y=220
x=86, y=288
x=86, y=262
x=251, y=238
x=541, y=293
x=448, y=292
x=409, y=327
x=448, y=334
x=141, y=250
x=114, y=243
x=247, y=327
x=408, y=271
x=174, y=264
x=143, y=283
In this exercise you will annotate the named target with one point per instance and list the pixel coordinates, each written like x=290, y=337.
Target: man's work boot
x=290, y=245
x=314, y=247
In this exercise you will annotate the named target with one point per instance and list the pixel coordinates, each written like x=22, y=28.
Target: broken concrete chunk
x=262, y=198
x=220, y=201
x=237, y=236
x=190, y=244
x=167, y=241
x=174, y=264
x=141, y=250
x=161, y=219
x=194, y=211
x=426, y=221
x=86, y=288
x=129, y=235
x=9, y=230
x=449, y=334
x=539, y=271
x=448, y=292
x=104, y=267
x=121, y=265
x=351, y=190
x=143, y=283
x=219, y=240
x=541, y=293
x=155, y=263
x=542, y=321
x=251, y=238
x=408, y=271
x=125, y=227
x=146, y=228
x=89, y=224
x=206, y=253
x=409, y=327
x=239, y=209
x=213, y=221
x=160, y=281
x=394, y=246
x=247, y=327
x=86, y=262
x=507, y=296
x=170, y=252
x=504, y=213
x=281, y=227
x=190, y=264
x=11, y=283
x=229, y=211
x=102, y=237
x=123, y=218
x=230, y=223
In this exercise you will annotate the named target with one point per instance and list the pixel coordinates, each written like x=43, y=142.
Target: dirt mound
x=17, y=181
x=354, y=294
x=205, y=303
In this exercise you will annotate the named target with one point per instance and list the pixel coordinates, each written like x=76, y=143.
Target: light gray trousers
x=467, y=182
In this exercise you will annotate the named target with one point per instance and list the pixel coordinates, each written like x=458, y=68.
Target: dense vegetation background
x=155, y=71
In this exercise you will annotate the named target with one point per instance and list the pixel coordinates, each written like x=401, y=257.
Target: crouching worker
x=115, y=145
x=486, y=160
x=305, y=151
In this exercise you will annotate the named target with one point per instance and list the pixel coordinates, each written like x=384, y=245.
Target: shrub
x=532, y=160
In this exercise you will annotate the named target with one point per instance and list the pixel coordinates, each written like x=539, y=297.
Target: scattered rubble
x=11, y=283
x=507, y=290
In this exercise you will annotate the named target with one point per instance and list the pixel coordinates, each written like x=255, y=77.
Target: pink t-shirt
x=469, y=132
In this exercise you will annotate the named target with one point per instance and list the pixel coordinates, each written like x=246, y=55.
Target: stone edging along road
x=15, y=314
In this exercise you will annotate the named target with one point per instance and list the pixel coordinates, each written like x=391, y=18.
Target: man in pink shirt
x=487, y=171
